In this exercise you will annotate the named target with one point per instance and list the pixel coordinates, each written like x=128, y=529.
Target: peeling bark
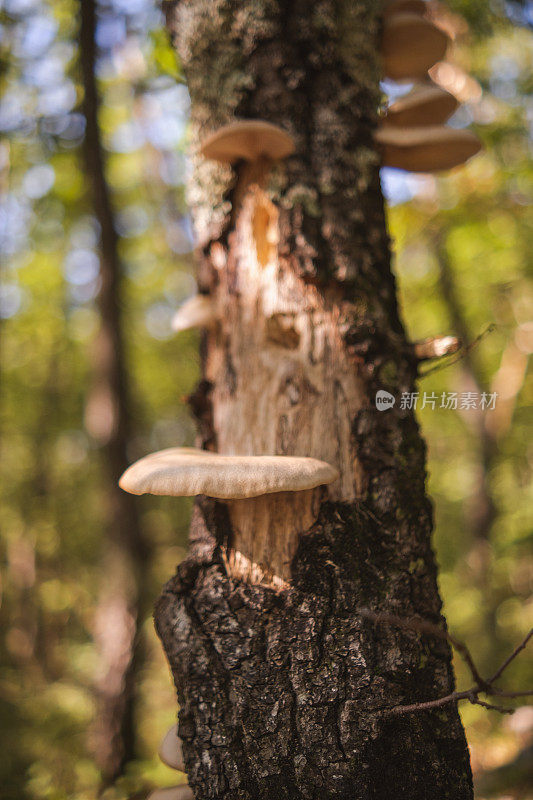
x=283, y=686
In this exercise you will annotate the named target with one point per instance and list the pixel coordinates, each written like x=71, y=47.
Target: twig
x=425, y=626
x=462, y=354
x=513, y=655
x=481, y=685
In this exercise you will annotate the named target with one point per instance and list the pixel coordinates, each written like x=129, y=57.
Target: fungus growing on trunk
x=428, y=149
x=247, y=140
x=170, y=751
x=410, y=45
x=182, y=792
x=271, y=500
x=456, y=81
x=404, y=6
x=436, y=347
x=196, y=312
x=422, y=106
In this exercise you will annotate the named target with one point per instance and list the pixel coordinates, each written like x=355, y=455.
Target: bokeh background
x=463, y=246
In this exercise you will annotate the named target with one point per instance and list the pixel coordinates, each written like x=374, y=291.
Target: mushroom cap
x=183, y=472
x=410, y=45
x=196, y=312
x=250, y=140
x=457, y=81
x=170, y=751
x=426, y=149
x=405, y=6
x=424, y=105
x=182, y=792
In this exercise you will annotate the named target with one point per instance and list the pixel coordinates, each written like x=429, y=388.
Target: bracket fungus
x=456, y=81
x=182, y=792
x=428, y=149
x=196, y=312
x=170, y=750
x=436, y=347
x=271, y=500
x=405, y=6
x=186, y=472
x=410, y=45
x=424, y=105
x=248, y=140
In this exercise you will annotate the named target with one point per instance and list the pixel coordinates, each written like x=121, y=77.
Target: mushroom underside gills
x=423, y=106
x=429, y=149
x=247, y=140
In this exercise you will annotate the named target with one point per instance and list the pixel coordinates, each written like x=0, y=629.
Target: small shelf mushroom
x=170, y=751
x=456, y=81
x=182, y=792
x=248, y=140
x=405, y=6
x=436, y=347
x=424, y=105
x=410, y=45
x=196, y=312
x=430, y=149
x=271, y=500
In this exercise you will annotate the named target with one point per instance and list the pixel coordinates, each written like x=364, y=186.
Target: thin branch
x=503, y=693
x=465, y=350
x=492, y=707
x=481, y=686
x=425, y=626
x=512, y=657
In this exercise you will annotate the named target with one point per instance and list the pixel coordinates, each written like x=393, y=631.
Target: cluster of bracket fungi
x=412, y=135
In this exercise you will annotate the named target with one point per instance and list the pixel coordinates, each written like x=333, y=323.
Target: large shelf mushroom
x=430, y=149
x=196, y=312
x=410, y=45
x=424, y=105
x=271, y=500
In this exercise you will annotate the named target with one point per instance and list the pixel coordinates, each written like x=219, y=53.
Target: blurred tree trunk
x=108, y=419
x=481, y=511
x=284, y=684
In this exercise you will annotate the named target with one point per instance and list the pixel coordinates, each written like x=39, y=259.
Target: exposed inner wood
x=292, y=397
x=284, y=384
x=266, y=531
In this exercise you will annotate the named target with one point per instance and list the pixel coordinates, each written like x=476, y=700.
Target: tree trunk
x=284, y=685
x=108, y=419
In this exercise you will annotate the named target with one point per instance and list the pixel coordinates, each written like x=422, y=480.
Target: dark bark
x=125, y=549
x=284, y=691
